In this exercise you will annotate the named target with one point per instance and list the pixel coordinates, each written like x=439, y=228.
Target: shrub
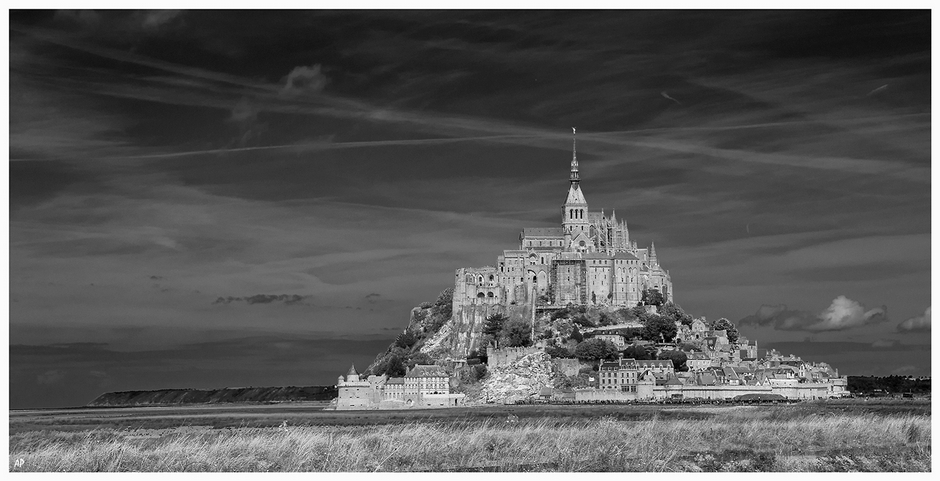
x=593, y=350
x=406, y=339
x=516, y=333
x=444, y=305
x=559, y=352
x=479, y=371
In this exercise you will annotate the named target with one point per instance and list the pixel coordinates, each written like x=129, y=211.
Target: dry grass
x=737, y=441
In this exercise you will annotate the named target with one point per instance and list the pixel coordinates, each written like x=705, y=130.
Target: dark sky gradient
x=161, y=160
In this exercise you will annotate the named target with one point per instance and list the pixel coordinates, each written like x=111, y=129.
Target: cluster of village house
x=717, y=370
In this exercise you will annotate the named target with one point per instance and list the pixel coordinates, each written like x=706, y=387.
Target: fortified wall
x=649, y=392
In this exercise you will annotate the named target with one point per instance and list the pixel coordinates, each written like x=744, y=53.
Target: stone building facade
x=588, y=260
x=423, y=386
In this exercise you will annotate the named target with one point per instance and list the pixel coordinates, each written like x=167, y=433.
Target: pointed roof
x=613, y=216
x=575, y=196
x=652, y=250
x=352, y=371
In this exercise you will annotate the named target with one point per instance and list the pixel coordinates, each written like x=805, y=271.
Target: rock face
x=439, y=345
x=522, y=379
x=467, y=324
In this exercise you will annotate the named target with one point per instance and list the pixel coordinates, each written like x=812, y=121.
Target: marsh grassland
x=810, y=437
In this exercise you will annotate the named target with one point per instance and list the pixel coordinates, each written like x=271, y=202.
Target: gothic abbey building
x=588, y=260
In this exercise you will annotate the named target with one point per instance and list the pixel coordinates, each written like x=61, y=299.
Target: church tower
x=575, y=211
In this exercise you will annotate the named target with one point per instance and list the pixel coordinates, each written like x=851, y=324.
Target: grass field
x=830, y=436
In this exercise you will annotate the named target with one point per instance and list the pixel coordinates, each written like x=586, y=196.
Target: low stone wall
x=711, y=393
x=804, y=391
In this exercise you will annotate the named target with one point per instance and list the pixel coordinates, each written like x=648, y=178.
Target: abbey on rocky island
x=588, y=260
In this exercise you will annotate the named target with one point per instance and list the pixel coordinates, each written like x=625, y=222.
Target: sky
x=205, y=199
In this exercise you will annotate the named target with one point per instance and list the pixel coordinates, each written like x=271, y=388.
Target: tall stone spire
x=575, y=178
x=574, y=213
x=653, y=260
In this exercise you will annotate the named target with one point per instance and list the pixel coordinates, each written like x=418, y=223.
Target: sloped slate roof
x=395, y=380
x=426, y=370
x=543, y=232
x=673, y=381
x=655, y=362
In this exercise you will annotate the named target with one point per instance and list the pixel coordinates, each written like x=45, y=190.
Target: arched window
x=481, y=295
x=489, y=294
x=480, y=279
x=491, y=277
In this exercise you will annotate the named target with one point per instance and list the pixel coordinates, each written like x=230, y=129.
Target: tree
x=582, y=320
x=659, y=329
x=391, y=366
x=593, y=350
x=623, y=315
x=675, y=313
x=444, y=305
x=406, y=340
x=576, y=334
x=418, y=358
x=636, y=352
x=493, y=325
x=605, y=319
x=395, y=367
x=516, y=333
x=558, y=351
x=728, y=327
x=678, y=359
x=479, y=371
x=652, y=297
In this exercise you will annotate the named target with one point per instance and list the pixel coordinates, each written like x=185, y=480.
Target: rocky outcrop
x=519, y=380
x=439, y=345
x=467, y=324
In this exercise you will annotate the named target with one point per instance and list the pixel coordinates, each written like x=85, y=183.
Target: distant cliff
x=175, y=397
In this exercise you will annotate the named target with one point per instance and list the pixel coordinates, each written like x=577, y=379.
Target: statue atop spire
x=575, y=178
